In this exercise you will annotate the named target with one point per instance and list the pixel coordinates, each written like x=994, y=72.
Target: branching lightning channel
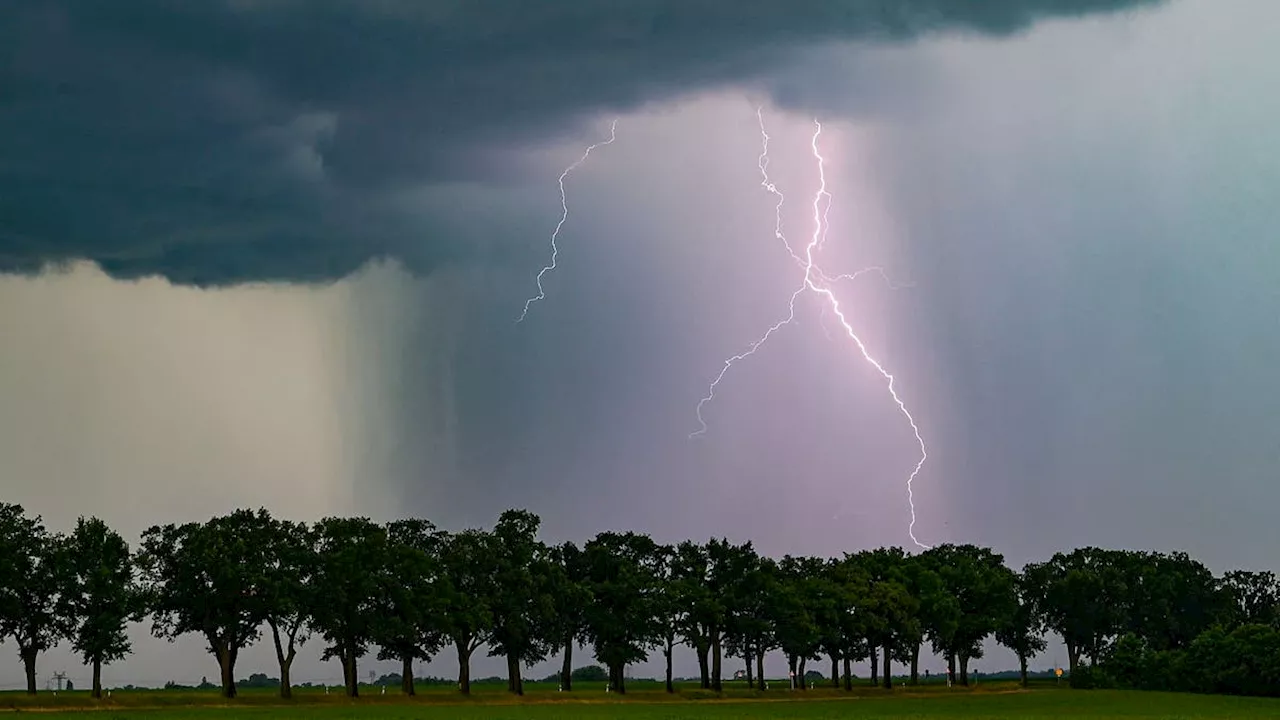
x=564, y=207
x=818, y=282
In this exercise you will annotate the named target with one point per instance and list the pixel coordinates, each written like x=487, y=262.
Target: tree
x=97, y=594
x=350, y=556
x=208, y=579
x=668, y=608
x=28, y=587
x=935, y=610
x=702, y=608
x=940, y=613
x=1254, y=597
x=622, y=622
x=1023, y=629
x=983, y=590
x=730, y=566
x=590, y=673
x=706, y=581
x=894, y=612
x=1083, y=597
x=836, y=605
x=522, y=606
x=890, y=613
x=287, y=590
x=407, y=619
x=1171, y=599
x=849, y=616
x=751, y=628
x=570, y=598
x=467, y=594
x=795, y=612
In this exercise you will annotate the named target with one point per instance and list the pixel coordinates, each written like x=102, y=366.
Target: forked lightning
x=816, y=281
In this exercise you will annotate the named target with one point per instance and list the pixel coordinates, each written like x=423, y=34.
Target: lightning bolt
x=818, y=282
x=564, y=207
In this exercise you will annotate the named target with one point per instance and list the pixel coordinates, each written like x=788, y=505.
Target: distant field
x=647, y=703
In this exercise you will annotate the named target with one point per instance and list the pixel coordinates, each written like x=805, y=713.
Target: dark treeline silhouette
x=411, y=591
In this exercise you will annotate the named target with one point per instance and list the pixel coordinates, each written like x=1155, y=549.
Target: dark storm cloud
x=223, y=142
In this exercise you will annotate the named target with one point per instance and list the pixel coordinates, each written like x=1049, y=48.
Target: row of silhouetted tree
x=411, y=591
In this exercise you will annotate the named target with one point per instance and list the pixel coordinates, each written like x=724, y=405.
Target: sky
x=271, y=253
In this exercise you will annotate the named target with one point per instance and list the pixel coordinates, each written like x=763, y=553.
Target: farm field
x=995, y=701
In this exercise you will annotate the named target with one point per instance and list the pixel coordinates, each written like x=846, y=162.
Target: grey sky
x=1083, y=208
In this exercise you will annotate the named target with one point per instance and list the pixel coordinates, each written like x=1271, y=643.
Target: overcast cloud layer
x=1077, y=196
x=232, y=140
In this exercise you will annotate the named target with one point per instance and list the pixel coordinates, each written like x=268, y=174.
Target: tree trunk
x=791, y=668
x=749, y=657
x=286, y=683
x=875, y=667
x=285, y=655
x=964, y=669
x=619, y=673
x=29, y=665
x=667, y=651
x=835, y=671
x=804, y=682
x=566, y=670
x=951, y=667
x=915, y=664
x=464, y=665
x=760, y=669
x=406, y=675
x=1073, y=656
x=704, y=668
x=354, y=689
x=848, y=674
x=97, y=678
x=888, y=669
x=514, y=681
x=716, y=663
x=1022, y=668
x=227, y=670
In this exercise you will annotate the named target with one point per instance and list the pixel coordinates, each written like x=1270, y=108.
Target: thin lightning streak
x=831, y=280
x=751, y=349
x=564, y=206
x=767, y=184
x=818, y=282
x=823, y=224
x=822, y=321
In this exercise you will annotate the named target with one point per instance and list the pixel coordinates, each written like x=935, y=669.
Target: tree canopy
x=409, y=589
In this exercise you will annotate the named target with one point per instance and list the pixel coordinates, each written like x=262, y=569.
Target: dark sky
x=271, y=252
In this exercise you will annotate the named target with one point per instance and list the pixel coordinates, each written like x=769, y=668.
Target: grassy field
x=996, y=700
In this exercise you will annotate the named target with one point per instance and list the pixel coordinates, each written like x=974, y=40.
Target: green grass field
x=646, y=702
